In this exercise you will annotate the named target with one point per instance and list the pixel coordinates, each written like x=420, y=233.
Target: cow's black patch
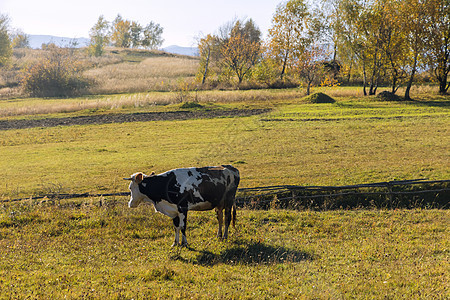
x=190, y=174
x=155, y=187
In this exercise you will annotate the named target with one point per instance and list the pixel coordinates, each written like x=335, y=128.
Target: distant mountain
x=192, y=51
x=36, y=41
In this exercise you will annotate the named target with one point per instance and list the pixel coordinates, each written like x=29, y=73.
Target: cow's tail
x=236, y=176
x=233, y=215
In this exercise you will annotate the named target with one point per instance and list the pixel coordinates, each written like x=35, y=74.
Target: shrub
x=56, y=75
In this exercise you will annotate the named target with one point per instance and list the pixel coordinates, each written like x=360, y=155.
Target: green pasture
x=349, y=142
x=83, y=250
x=97, y=248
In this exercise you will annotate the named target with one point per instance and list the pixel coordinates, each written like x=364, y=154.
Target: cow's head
x=136, y=195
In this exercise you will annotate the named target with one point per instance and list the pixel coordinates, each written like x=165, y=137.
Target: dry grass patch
x=154, y=73
x=36, y=106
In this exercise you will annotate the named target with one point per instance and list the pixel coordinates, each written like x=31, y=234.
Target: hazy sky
x=182, y=20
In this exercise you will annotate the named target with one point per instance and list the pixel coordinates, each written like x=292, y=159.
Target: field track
x=131, y=117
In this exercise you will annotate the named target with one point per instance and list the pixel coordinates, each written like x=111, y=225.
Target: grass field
x=98, y=248
x=112, y=252
x=355, y=140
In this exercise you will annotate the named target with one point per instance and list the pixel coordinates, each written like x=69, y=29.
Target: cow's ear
x=139, y=177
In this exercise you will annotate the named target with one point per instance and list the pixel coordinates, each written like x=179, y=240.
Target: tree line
x=119, y=33
x=125, y=34
x=10, y=39
x=375, y=42
x=380, y=41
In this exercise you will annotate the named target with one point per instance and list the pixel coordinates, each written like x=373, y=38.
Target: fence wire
x=390, y=194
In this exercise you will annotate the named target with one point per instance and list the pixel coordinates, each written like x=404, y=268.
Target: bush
x=56, y=75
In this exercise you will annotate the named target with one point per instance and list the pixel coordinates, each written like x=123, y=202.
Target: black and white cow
x=175, y=192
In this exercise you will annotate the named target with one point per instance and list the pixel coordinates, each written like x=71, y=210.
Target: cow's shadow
x=243, y=252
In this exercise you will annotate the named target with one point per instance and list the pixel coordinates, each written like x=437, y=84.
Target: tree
x=208, y=48
x=234, y=50
x=266, y=71
x=286, y=36
x=438, y=54
x=20, y=40
x=308, y=65
x=152, y=36
x=5, y=41
x=121, y=33
x=414, y=21
x=135, y=34
x=365, y=29
x=99, y=35
x=241, y=50
x=393, y=45
x=373, y=26
x=240, y=55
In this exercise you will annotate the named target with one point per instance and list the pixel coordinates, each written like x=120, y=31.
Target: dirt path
x=133, y=117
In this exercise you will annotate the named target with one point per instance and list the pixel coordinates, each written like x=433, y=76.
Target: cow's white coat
x=186, y=182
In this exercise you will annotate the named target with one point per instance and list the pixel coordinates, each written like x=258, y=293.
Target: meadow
x=96, y=247
x=82, y=250
x=349, y=142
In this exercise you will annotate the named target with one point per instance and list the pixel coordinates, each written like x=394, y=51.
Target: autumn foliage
x=57, y=75
x=373, y=43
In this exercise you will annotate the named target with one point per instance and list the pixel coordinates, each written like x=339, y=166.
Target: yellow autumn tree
x=121, y=32
x=234, y=52
x=308, y=65
x=414, y=24
x=240, y=55
x=438, y=57
x=209, y=52
x=286, y=36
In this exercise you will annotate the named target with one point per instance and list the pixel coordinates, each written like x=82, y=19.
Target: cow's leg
x=229, y=204
x=220, y=220
x=180, y=225
x=227, y=221
x=183, y=224
x=176, y=223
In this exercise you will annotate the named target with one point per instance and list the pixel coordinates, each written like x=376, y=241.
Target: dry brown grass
x=154, y=73
x=52, y=106
x=38, y=106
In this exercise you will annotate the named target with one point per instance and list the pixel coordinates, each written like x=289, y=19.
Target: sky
x=183, y=21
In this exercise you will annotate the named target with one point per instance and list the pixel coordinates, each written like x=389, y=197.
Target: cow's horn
x=128, y=178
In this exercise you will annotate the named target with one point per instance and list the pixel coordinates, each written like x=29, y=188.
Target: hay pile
x=319, y=98
x=388, y=96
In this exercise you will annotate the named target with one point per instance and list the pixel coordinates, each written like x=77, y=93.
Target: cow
x=175, y=192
